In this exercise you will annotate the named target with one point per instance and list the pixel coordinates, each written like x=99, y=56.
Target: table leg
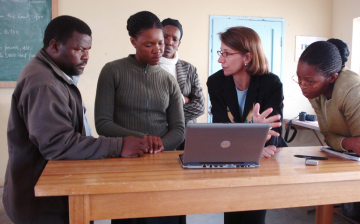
x=318, y=138
x=79, y=209
x=324, y=214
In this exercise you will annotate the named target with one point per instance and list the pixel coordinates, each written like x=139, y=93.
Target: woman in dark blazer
x=239, y=89
x=263, y=89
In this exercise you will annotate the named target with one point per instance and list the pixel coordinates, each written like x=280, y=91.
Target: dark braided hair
x=323, y=56
x=62, y=28
x=343, y=48
x=141, y=21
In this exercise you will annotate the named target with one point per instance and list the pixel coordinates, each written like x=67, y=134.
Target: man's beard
x=75, y=71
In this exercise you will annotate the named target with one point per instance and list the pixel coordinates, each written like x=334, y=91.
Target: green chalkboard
x=22, y=26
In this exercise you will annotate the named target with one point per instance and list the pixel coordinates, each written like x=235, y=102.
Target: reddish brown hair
x=246, y=40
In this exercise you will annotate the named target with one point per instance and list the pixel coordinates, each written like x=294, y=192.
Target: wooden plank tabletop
x=163, y=172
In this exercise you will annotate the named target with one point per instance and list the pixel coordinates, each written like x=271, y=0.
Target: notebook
x=347, y=155
x=219, y=145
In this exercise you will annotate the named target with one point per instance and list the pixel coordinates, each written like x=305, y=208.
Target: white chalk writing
x=11, y=15
x=38, y=2
x=31, y=55
x=19, y=0
x=21, y=25
x=27, y=1
x=18, y=55
x=9, y=51
x=17, y=48
x=37, y=17
x=23, y=16
x=7, y=55
x=10, y=32
x=14, y=47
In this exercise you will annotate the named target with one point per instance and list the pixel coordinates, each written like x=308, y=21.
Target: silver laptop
x=219, y=145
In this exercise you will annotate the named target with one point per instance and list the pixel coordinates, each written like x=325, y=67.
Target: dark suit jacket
x=263, y=89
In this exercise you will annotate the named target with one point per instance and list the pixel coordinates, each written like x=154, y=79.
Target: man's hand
x=262, y=118
x=269, y=151
x=154, y=143
x=133, y=147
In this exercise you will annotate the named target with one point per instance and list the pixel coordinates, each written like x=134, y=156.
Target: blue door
x=270, y=30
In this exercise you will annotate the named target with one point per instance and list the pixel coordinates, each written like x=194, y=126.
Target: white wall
x=355, y=46
x=345, y=11
x=107, y=18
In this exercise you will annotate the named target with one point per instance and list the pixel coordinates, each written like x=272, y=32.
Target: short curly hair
x=62, y=28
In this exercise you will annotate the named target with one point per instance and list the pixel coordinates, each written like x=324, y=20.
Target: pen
x=311, y=157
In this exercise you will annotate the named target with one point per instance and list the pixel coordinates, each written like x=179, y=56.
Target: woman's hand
x=351, y=143
x=154, y=143
x=187, y=100
x=262, y=118
x=269, y=151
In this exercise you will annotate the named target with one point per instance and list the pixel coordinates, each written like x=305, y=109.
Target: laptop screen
x=225, y=143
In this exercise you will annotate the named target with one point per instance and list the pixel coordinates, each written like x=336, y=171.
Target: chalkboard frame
x=54, y=13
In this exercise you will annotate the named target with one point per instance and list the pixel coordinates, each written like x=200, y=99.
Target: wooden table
x=156, y=185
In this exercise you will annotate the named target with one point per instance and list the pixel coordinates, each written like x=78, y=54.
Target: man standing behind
x=184, y=72
x=47, y=122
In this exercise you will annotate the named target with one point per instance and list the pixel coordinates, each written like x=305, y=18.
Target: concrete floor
x=275, y=216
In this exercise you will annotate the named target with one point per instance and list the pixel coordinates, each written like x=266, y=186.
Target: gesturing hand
x=263, y=118
x=133, y=147
x=154, y=142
